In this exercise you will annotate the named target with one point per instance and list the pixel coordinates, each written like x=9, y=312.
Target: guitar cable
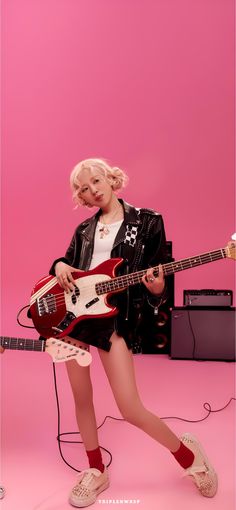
x=195, y=339
x=206, y=406
x=28, y=315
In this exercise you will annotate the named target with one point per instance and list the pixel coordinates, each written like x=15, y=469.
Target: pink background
x=147, y=85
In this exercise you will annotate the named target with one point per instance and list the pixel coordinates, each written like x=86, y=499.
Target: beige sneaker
x=201, y=471
x=90, y=484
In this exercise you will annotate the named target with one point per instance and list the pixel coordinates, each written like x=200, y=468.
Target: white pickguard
x=86, y=286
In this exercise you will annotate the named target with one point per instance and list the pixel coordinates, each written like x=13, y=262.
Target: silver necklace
x=104, y=230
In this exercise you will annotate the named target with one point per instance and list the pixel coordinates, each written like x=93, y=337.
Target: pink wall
x=147, y=85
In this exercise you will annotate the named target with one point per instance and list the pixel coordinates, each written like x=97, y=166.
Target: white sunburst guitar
x=59, y=350
x=55, y=312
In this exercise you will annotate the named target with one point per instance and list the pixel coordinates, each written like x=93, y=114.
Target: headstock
x=230, y=249
x=63, y=351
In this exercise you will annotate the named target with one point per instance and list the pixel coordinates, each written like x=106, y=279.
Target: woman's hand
x=154, y=285
x=63, y=274
x=1, y=349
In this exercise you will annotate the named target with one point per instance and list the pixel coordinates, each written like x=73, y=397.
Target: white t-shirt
x=103, y=242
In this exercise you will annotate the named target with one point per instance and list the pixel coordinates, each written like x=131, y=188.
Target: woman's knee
x=132, y=412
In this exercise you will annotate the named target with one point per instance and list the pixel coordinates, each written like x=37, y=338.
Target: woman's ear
x=112, y=180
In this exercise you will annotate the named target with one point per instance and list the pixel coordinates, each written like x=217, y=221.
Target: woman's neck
x=113, y=212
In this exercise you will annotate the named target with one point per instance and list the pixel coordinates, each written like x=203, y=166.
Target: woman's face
x=95, y=189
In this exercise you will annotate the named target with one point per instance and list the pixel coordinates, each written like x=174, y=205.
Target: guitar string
x=112, y=283
x=137, y=276
x=49, y=285
x=134, y=278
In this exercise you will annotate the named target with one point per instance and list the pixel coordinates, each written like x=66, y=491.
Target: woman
x=138, y=236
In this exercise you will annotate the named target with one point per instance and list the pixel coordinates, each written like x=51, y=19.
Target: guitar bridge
x=46, y=305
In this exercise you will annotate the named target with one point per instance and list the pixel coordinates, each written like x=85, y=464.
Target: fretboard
x=23, y=344
x=122, y=282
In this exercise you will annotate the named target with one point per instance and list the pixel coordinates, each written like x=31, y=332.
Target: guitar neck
x=122, y=282
x=198, y=260
x=22, y=344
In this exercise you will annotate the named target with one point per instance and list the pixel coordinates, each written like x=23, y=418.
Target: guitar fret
x=22, y=344
x=193, y=262
x=122, y=282
x=4, y=342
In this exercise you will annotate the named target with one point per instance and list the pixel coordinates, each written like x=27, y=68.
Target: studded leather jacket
x=141, y=242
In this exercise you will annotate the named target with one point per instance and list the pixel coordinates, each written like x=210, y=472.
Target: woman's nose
x=94, y=190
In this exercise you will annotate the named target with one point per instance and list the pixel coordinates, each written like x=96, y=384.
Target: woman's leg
x=118, y=364
x=119, y=368
x=92, y=481
x=81, y=386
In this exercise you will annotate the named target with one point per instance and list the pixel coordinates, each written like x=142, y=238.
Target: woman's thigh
x=119, y=367
x=79, y=378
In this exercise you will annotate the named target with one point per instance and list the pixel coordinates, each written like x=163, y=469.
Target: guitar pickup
x=91, y=303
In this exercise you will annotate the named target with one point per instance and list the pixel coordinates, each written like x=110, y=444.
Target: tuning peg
x=2, y=492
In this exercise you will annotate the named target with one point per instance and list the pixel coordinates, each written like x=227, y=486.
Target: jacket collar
x=131, y=216
x=131, y=213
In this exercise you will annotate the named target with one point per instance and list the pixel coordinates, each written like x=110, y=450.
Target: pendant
x=104, y=231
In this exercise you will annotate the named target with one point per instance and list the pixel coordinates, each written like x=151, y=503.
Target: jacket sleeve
x=155, y=254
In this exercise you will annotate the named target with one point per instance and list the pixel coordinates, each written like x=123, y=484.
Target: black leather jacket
x=140, y=241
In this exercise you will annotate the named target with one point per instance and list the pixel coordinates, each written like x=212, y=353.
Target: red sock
x=184, y=456
x=95, y=459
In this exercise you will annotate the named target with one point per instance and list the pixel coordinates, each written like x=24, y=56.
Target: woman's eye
x=83, y=190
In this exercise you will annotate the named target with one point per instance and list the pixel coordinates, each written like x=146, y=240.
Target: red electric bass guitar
x=55, y=313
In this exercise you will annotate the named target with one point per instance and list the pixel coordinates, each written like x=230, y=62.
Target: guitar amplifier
x=208, y=297
x=203, y=333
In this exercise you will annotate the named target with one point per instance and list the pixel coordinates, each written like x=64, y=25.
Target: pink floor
x=142, y=472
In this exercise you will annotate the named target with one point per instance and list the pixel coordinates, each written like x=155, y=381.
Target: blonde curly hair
x=117, y=177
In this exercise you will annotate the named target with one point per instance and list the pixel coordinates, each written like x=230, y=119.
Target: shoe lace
x=199, y=473
x=196, y=470
x=81, y=488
